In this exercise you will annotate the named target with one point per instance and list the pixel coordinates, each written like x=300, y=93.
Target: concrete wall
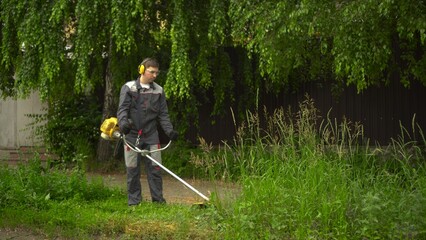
x=14, y=129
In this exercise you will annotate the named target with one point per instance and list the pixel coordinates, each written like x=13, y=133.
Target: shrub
x=71, y=129
x=34, y=186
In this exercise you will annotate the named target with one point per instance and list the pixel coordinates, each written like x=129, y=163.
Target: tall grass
x=304, y=177
x=36, y=186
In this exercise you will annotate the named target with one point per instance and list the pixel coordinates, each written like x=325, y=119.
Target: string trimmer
x=110, y=131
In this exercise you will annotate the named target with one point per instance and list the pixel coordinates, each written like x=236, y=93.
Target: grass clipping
x=157, y=229
x=151, y=228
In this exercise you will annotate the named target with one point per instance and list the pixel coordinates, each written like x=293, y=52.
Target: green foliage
x=177, y=159
x=35, y=57
x=34, y=186
x=91, y=42
x=180, y=66
x=364, y=60
x=223, y=88
x=282, y=34
x=362, y=43
x=71, y=131
x=218, y=22
x=122, y=29
x=63, y=46
x=220, y=53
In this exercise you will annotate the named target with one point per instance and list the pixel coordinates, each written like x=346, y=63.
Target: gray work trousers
x=153, y=172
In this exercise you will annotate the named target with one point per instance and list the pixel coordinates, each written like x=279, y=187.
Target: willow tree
x=63, y=48
x=199, y=67
x=66, y=48
x=363, y=42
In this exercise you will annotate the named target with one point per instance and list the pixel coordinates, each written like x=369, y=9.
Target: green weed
x=61, y=203
x=301, y=181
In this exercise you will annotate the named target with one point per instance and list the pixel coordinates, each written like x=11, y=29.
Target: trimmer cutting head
x=201, y=205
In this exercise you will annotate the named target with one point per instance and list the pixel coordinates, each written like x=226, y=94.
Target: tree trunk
x=105, y=149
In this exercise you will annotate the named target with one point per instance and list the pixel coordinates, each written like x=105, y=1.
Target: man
x=142, y=105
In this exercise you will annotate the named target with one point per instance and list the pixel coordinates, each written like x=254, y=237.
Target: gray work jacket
x=143, y=108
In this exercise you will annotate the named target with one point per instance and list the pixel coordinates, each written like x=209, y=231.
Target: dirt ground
x=174, y=191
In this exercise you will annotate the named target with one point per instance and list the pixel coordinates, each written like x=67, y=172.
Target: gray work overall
x=143, y=109
x=134, y=161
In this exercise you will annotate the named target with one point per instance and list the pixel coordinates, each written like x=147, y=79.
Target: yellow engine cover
x=109, y=128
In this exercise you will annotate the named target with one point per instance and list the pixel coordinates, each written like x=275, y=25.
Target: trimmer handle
x=143, y=151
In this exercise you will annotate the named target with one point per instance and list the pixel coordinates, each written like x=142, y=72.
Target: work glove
x=173, y=135
x=125, y=128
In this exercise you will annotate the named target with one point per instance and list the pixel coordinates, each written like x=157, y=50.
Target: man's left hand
x=173, y=135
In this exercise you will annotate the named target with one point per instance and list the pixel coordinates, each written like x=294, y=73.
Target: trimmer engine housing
x=110, y=130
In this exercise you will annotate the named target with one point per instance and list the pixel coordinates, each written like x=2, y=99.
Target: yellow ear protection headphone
x=141, y=67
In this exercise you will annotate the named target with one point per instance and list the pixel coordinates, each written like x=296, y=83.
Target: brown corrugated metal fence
x=379, y=109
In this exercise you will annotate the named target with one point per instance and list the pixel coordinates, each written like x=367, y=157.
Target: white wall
x=8, y=138
x=14, y=128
